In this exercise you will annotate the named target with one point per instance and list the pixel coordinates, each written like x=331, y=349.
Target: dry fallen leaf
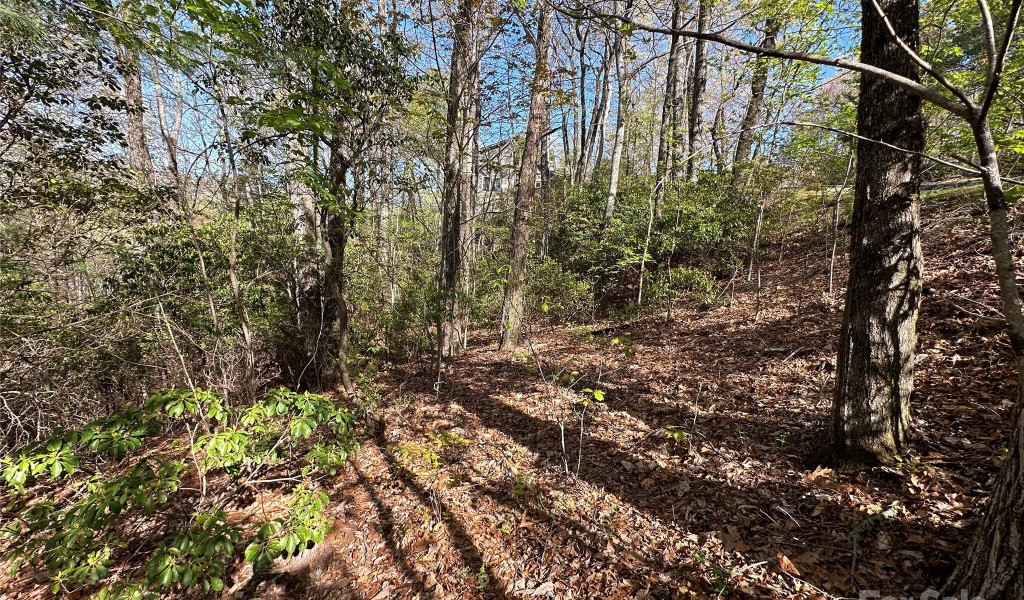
x=784, y=565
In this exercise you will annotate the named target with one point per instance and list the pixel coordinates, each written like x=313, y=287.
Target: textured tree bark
x=871, y=409
x=139, y=158
x=758, y=83
x=513, y=306
x=336, y=230
x=698, y=82
x=993, y=565
x=670, y=110
x=453, y=277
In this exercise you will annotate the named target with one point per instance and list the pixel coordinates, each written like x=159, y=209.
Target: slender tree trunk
x=758, y=83
x=601, y=135
x=513, y=307
x=169, y=136
x=993, y=565
x=669, y=110
x=168, y=132
x=577, y=174
x=130, y=70
x=458, y=182
x=566, y=146
x=835, y=226
x=755, y=246
x=336, y=231
x=871, y=408
x=718, y=136
x=680, y=149
x=620, y=120
x=236, y=193
x=699, y=81
x=596, y=118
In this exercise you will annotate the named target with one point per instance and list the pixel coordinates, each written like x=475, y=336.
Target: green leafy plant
x=591, y=395
x=198, y=555
x=78, y=540
x=304, y=526
x=677, y=434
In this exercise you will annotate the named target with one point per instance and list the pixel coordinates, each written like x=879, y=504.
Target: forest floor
x=690, y=481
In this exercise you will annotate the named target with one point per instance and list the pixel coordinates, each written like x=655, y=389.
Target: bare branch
x=936, y=159
x=925, y=65
x=990, y=36
x=918, y=89
x=997, y=70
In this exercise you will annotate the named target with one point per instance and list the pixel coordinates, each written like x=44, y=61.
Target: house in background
x=497, y=172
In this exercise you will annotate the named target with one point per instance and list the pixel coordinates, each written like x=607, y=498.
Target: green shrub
x=669, y=285
x=559, y=294
x=80, y=535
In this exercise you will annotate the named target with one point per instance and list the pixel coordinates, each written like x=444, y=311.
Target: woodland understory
x=482, y=299
x=691, y=481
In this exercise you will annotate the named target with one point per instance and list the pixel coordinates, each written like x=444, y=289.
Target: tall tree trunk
x=336, y=230
x=581, y=115
x=699, y=81
x=168, y=132
x=620, y=119
x=513, y=307
x=130, y=69
x=993, y=565
x=871, y=408
x=597, y=117
x=680, y=139
x=458, y=182
x=238, y=300
x=718, y=136
x=669, y=110
x=758, y=83
x=600, y=137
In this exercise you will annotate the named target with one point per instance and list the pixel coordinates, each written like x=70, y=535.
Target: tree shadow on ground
x=775, y=511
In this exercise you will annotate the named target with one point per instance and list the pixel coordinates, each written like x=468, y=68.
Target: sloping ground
x=690, y=480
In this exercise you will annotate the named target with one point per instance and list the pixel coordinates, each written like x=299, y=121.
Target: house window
x=487, y=183
x=497, y=184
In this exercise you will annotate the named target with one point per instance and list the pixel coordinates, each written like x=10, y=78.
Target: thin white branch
x=997, y=72
x=851, y=134
x=990, y=36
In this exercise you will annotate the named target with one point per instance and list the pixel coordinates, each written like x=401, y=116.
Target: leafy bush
x=559, y=294
x=670, y=285
x=80, y=535
x=706, y=218
x=303, y=527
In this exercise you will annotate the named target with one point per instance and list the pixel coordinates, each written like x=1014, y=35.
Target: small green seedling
x=677, y=434
x=590, y=396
